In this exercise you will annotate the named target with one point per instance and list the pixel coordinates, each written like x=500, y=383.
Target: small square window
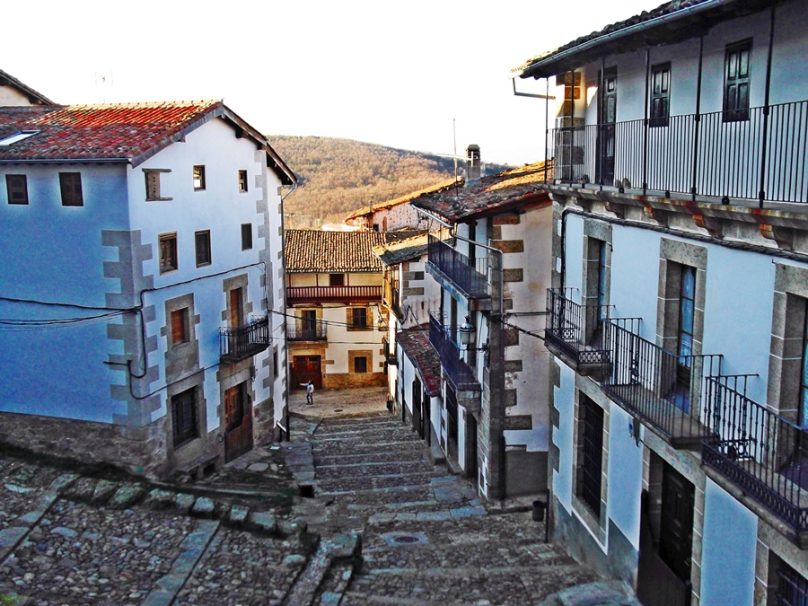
x=360, y=364
x=17, y=189
x=183, y=412
x=246, y=236
x=70, y=185
x=336, y=279
x=199, y=177
x=242, y=181
x=168, y=253
x=202, y=241
x=152, y=185
x=179, y=326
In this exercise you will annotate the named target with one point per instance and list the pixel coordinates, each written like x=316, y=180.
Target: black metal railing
x=760, y=451
x=451, y=357
x=577, y=330
x=764, y=156
x=241, y=342
x=306, y=330
x=662, y=388
x=466, y=274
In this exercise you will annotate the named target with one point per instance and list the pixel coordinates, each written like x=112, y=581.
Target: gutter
x=690, y=11
x=68, y=161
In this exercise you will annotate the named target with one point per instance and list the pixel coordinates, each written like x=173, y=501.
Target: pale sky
x=394, y=73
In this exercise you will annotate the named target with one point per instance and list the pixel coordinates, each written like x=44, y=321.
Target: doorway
x=607, y=116
x=238, y=437
x=305, y=369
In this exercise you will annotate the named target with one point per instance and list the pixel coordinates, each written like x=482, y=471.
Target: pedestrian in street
x=309, y=393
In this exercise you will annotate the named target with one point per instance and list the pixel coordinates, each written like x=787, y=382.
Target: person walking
x=310, y=394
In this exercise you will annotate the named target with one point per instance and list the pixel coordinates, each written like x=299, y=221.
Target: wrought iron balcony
x=660, y=387
x=763, y=453
x=458, y=269
x=306, y=331
x=566, y=332
x=242, y=342
x=318, y=294
x=756, y=154
x=451, y=357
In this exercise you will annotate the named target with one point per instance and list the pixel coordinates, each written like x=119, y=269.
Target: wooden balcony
x=296, y=295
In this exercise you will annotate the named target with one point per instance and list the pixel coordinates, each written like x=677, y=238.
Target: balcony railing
x=763, y=156
x=236, y=344
x=459, y=268
x=451, y=357
x=314, y=294
x=759, y=450
x=660, y=387
x=566, y=329
x=306, y=331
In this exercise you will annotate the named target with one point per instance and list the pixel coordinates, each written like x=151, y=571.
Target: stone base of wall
x=526, y=472
x=348, y=380
x=137, y=450
x=264, y=422
x=622, y=559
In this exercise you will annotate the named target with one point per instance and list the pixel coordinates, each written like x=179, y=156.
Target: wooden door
x=238, y=437
x=426, y=404
x=305, y=369
x=451, y=423
x=234, y=310
x=606, y=129
x=676, y=525
x=417, y=411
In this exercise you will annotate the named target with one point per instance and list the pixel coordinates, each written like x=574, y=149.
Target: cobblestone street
x=384, y=526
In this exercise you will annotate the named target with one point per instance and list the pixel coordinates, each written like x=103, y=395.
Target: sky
x=395, y=73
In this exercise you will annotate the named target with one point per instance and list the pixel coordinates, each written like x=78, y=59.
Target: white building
x=136, y=324
x=397, y=213
x=490, y=254
x=678, y=317
x=335, y=325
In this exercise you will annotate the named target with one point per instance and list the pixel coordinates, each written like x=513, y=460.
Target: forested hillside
x=338, y=176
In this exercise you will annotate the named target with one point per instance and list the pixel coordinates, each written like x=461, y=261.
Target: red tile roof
x=443, y=185
x=123, y=132
x=415, y=343
x=309, y=250
x=412, y=246
x=497, y=193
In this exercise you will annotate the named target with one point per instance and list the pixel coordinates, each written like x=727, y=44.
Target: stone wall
x=348, y=380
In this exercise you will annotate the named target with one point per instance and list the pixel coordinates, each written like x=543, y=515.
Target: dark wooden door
x=676, y=524
x=238, y=436
x=305, y=369
x=234, y=310
x=451, y=423
x=426, y=404
x=308, y=324
x=471, y=446
x=606, y=129
x=417, y=408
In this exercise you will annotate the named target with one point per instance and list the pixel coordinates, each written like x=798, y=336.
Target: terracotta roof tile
x=406, y=249
x=88, y=132
x=497, y=192
x=415, y=343
x=307, y=250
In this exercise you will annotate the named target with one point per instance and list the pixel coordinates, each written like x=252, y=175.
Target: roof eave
x=577, y=55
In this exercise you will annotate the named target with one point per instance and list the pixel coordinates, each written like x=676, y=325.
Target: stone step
x=341, y=550
x=327, y=460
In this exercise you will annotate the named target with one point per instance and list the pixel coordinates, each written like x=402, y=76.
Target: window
x=684, y=346
x=590, y=457
x=792, y=587
x=202, y=241
x=17, y=189
x=152, y=176
x=246, y=236
x=336, y=279
x=199, y=177
x=70, y=185
x=16, y=137
x=179, y=326
x=736, y=81
x=242, y=181
x=360, y=364
x=183, y=409
x=358, y=318
x=168, y=253
x=275, y=362
x=660, y=94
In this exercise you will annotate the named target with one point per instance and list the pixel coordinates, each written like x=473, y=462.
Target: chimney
x=473, y=167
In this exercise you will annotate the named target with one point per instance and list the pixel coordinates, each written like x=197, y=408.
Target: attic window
x=18, y=136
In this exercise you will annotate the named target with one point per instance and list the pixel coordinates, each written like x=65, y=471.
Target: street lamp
x=466, y=334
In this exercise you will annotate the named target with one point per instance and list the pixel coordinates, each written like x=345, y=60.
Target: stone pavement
x=426, y=537
x=339, y=403
x=349, y=512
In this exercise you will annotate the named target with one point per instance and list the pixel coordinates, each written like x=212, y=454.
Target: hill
x=339, y=176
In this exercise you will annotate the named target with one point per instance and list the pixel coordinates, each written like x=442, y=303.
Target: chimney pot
x=473, y=164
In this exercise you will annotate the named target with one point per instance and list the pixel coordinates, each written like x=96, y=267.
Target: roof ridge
x=146, y=104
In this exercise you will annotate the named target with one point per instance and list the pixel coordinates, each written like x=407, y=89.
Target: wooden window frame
x=355, y=365
x=17, y=189
x=660, y=85
x=152, y=180
x=336, y=279
x=735, y=110
x=243, y=185
x=184, y=417
x=179, y=326
x=202, y=246
x=352, y=319
x=199, y=177
x=590, y=460
x=70, y=189
x=246, y=236
x=173, y=256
